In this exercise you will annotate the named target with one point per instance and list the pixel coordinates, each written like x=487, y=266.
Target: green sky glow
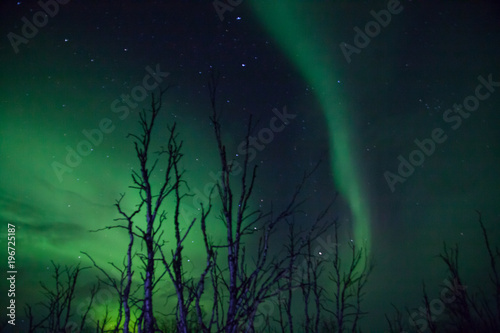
x=270, y=54
x=296, y=39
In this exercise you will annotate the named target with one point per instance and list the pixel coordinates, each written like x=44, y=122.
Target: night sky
x=361, y=110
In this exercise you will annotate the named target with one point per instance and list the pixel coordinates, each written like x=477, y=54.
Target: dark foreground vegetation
x=249, y=280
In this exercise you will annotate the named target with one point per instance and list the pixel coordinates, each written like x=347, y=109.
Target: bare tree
x=241, y=287
x=312, y=291
x=151, y=236
x=124, y=284
x=396, y=324
x=186, y=289
x=285, y=301
x=472, y=311
x=349, y=281
x=494, y=257
x=153, y=202
x=59, y=300
x=465, y=311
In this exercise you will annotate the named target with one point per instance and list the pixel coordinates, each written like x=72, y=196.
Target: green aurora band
x=282, y=19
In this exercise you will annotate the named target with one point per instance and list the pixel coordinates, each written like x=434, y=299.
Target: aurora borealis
x=72, y=91
x=320, y=73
